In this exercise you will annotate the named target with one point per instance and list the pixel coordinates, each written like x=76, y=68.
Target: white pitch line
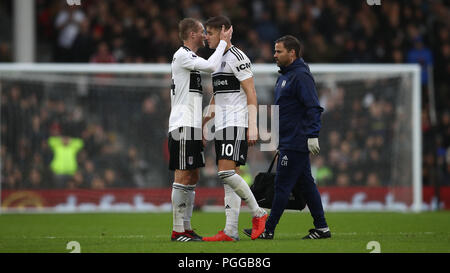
x=86, y=237
x=279, y=235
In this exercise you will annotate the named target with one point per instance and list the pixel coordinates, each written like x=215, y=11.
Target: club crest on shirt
x=283, y=83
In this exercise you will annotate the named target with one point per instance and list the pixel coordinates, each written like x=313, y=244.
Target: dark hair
x=186, y=26
x=218, y=21
x=291, y=43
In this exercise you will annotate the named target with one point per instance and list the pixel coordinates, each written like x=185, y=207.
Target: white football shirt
x=186, y=90
x=229, y=97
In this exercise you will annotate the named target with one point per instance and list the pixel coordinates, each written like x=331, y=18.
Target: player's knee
x=187, y=177
x=225, y=175
x=235, y=182
x=195, y=176
x=184, y=180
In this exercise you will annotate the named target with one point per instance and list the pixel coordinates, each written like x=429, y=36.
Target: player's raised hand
x=252, y=135
x=226, y=34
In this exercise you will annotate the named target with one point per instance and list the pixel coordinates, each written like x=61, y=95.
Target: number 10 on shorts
x=227, y=149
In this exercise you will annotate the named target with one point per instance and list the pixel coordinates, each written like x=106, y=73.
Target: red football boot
x=219, y=237
x=259, y=224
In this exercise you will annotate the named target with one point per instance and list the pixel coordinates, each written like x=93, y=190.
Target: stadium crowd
x=116, y=152
x=43, y=131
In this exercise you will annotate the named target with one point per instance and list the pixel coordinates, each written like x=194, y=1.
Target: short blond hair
x=186, y=26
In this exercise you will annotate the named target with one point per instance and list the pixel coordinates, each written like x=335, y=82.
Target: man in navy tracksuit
x=299, y=126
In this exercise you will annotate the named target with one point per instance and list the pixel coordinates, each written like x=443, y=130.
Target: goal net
x=94, y=137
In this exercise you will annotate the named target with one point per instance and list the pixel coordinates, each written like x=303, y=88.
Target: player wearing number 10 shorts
x=234, y=103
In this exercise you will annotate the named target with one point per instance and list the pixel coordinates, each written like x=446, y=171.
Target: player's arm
x=242, y=70
x=208, y=115
x=252, y=103
x=307, y=94
x=213, y=62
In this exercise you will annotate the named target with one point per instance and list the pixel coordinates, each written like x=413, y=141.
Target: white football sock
x=325, y=229
x=190, y=199
x=241, y=188
x=179, y=203
x=232, y=208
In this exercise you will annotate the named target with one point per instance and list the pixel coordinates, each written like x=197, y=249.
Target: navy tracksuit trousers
x=294, y=167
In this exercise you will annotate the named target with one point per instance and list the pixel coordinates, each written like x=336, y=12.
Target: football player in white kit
x=185, y=121
x=235, y=116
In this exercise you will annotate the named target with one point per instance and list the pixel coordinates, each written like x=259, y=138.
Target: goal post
x=370, y=139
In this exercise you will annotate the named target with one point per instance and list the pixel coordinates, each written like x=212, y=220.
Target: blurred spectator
x=77, y=181
x=118, y=50
x=111, y=179
x=373, y=180
x=64, y=163
x=343, y=180
x=397, y=56
x=98, y=183
x=322, y=174
x=5, y=53
x=445, y=128
x=34, y=180
x=89, y=172
x=266, y=29
x=421, y=55
x=137, y=168
x=149, y=134
x=84, y=44
x=67, y=24
x=358, y=177
x=319, y=50
x=103, y=55
x=446, y=173
x=14, y=179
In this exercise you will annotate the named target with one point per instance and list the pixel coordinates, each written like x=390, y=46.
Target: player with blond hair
x=185, y=121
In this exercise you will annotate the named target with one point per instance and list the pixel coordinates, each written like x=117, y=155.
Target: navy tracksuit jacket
x=299, y=119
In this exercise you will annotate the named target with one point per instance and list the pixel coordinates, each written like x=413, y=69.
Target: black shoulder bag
x=263, y=190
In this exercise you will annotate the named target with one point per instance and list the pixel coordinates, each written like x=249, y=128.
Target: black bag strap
x=273, y=162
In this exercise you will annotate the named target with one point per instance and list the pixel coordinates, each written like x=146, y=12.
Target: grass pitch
x=150, y=233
